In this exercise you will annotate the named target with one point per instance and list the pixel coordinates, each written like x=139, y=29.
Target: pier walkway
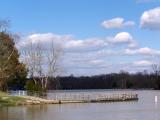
x=77, y=97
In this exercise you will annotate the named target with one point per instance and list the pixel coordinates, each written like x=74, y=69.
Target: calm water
x=144, y=109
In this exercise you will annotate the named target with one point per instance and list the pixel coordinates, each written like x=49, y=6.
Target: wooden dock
x=81, y=97
x=59, y=98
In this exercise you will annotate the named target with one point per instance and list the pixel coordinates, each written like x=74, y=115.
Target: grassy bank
x=8, y=100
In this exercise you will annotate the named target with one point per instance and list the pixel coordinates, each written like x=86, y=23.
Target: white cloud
x=117, y=23
x=142, y=63
x=96, y=62
x=151, y=19
x=142, y=51
x=129, y=52
x=123, y=38
x=67, y=42
x=43, y=38
x=85, y=45
x=70, y=44
x=148, y=51
x=106, y=52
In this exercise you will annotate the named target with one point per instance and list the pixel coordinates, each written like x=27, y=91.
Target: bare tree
x=30, y=61
x=156, y=71
x=53, y=56
x=156, y=68
x=42, y=61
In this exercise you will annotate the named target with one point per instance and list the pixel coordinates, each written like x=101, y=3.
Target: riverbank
x=8, y=100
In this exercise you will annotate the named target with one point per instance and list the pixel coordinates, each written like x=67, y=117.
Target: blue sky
x=93, y=47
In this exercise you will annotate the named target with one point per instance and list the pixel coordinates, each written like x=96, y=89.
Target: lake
x=143, y=109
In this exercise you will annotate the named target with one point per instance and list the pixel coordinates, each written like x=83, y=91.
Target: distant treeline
x=108, y=81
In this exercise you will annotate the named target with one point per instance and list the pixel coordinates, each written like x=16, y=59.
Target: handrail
x=78, y=96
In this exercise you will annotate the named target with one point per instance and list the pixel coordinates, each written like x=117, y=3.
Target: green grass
x=7, y=100
x=3, y=94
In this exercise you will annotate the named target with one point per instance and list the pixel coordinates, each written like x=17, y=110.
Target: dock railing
x=80, y=96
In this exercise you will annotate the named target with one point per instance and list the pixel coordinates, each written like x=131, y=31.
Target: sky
x=97, y=36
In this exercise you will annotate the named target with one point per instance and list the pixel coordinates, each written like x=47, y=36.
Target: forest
x=122, y=80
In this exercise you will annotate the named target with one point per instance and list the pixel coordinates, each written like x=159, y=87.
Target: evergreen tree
x=11, y=69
